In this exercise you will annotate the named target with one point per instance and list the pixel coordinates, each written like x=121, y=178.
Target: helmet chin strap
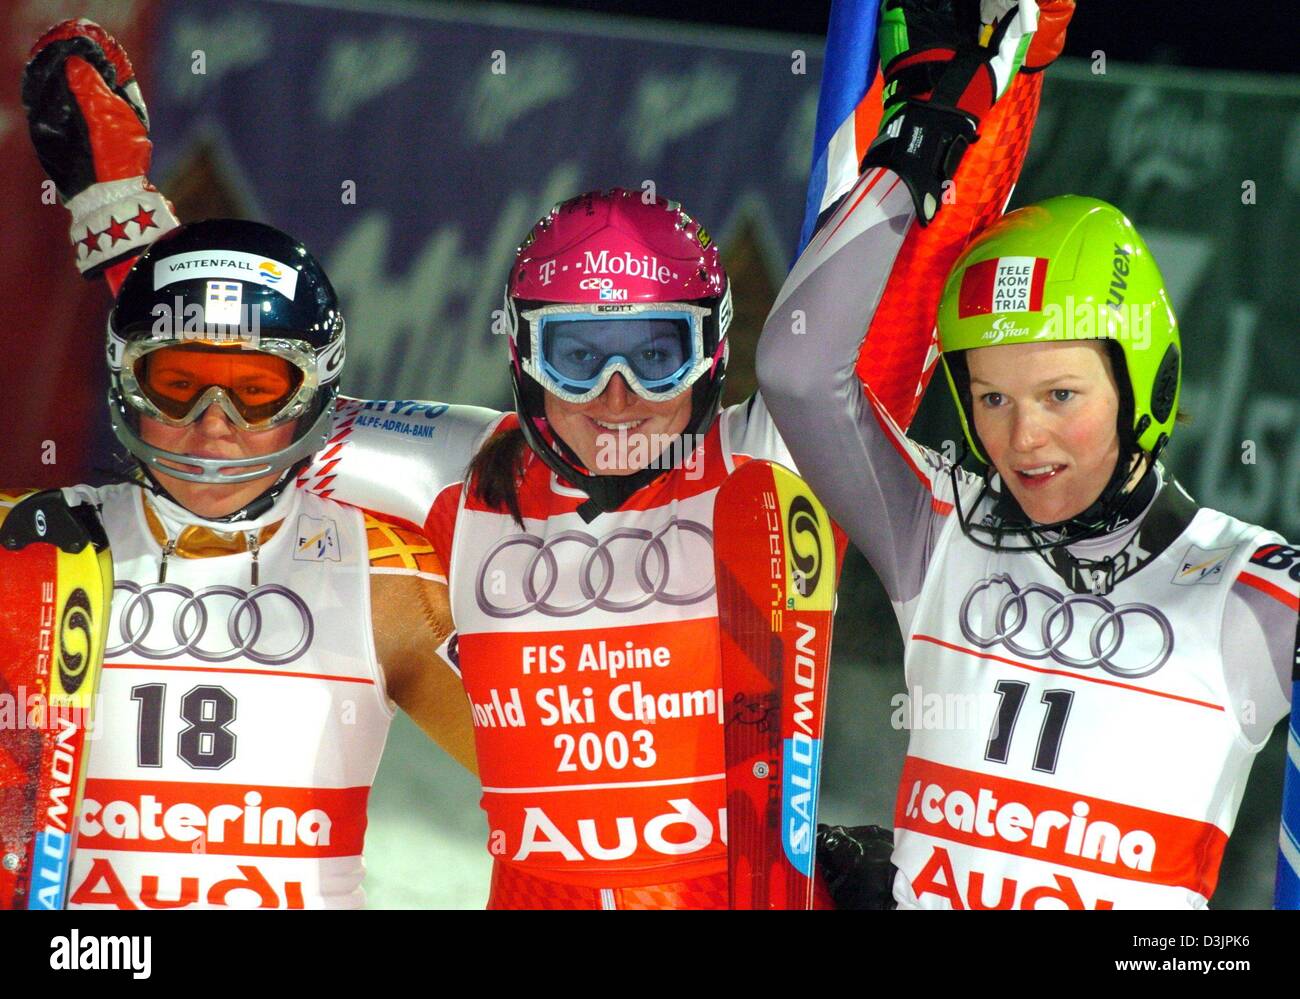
x=266, y=509
x=250, y=511
x=1113, y=508
x=606, y=493
x=1100, y=514
x=146, y=461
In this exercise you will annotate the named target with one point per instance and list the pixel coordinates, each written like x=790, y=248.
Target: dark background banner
x=455, y=135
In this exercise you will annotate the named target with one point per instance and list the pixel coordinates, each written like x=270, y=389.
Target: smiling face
x=618, y=432
x=213, y=436
x=1047, y=416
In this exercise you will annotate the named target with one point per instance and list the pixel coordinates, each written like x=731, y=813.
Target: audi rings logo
x=802, y=519
x=1036, y=622
x=269, y=624
x=523, y=573
x=72, y=664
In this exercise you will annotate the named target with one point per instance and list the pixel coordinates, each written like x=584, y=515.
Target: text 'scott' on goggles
x=657, y=348
x=257, y=389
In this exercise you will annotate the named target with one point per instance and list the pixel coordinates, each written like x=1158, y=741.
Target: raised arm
x=876, y=483
x=870, y=272
x=88, y=124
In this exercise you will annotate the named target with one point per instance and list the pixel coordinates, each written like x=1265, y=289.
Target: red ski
x=777, y=555
x=56, y=583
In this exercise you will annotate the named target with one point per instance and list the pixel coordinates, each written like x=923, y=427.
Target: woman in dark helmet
x=260, y=634
x=1123, y=653
x=232, y=322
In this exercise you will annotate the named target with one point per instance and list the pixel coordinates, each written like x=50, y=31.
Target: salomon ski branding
x=776, y=557
x=801, y=756
x=76, y=618
x=55, y=588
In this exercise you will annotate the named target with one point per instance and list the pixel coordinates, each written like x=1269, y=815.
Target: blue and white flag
x=846, y=118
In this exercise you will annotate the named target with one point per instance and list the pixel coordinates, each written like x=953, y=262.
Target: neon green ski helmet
x=1068, y=268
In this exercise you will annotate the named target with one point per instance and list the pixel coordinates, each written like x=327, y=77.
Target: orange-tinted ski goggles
x=257, y=389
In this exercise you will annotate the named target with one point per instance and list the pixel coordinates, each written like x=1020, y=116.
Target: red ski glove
x=91, y=132
x=1048, y=41
x=945, y=63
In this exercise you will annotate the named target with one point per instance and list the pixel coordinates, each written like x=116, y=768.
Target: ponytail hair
x=496, y=471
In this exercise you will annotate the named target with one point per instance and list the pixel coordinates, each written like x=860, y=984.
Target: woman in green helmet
x=1119, y=654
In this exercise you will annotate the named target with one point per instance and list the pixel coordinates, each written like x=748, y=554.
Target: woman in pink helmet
x=581, y=564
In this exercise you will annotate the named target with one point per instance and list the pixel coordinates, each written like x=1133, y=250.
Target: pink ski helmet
x=603, y=241
x=610, y=250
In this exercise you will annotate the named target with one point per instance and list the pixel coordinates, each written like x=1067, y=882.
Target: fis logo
x=317, y=540
x=1202, y=566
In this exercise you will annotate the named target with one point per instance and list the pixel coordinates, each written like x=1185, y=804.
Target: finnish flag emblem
x=223, y=303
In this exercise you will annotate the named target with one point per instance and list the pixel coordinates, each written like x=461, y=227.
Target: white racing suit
x=1066, y=749
x=241, y=713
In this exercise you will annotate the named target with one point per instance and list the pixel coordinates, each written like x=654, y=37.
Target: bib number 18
x=206, y=742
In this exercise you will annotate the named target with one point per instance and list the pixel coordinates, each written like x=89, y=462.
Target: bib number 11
x=1012, y=694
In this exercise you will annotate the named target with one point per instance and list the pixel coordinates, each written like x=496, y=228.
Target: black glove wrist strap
x=923, y=145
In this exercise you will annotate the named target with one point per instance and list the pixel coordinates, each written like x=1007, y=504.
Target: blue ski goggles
x=658, y=349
